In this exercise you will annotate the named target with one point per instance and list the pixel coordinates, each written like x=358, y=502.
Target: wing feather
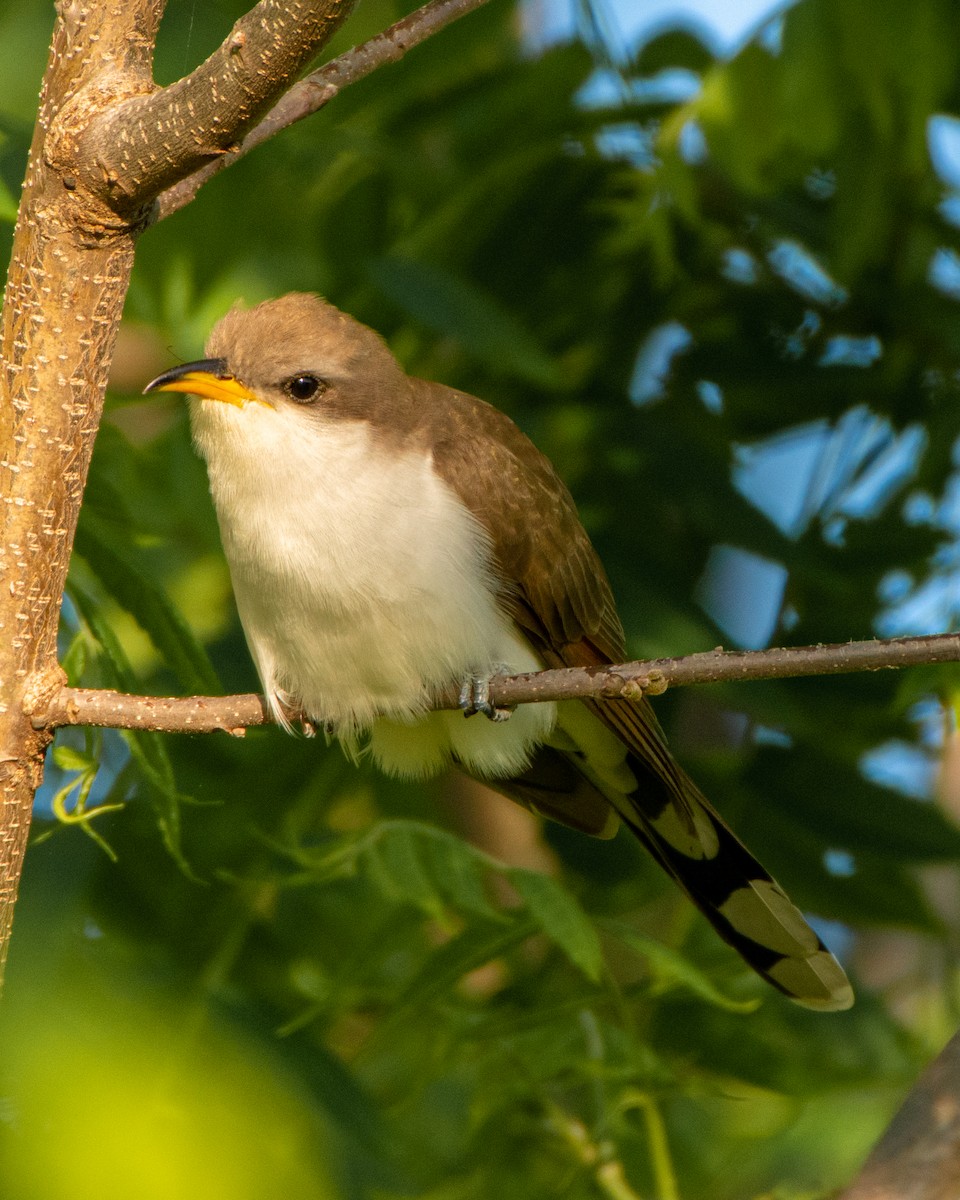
x=555, y=587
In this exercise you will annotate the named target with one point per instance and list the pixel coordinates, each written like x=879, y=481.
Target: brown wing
x=555, y=585
x=557, y=591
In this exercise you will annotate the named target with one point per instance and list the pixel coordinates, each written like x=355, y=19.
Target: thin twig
x=204, y=714
x=321, y=86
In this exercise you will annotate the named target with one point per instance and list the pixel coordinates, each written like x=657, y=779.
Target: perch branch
x=204, y=714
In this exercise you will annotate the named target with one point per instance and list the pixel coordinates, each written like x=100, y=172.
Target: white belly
x=363, y=584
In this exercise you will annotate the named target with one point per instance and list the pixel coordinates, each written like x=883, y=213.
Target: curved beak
x=208, y=378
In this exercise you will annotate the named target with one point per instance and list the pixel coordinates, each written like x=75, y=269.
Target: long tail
x=621, y=762
x=744, y=904
x=669, y=814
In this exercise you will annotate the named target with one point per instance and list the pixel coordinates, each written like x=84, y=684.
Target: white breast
x=363, y=584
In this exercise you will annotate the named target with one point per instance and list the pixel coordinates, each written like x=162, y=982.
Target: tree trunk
x=68, y=277
x=107, y=142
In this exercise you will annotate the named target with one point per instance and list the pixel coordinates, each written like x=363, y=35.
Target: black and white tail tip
x=746, y=907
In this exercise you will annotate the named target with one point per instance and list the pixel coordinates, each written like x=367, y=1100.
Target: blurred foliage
x=722, y=295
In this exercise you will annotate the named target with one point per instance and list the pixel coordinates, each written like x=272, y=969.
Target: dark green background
x=264, y=987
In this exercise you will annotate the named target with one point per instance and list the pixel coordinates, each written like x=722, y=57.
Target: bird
x=389, y=537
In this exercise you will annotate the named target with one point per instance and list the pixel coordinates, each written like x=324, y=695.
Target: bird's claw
x=475, y=698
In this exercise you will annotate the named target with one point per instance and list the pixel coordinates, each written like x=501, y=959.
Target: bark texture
x=321, y=86
x=107, y=140
x=153, y=140
x=918, y=1157
x=68, y=276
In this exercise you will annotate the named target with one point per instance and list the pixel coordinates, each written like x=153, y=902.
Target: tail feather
x=669, y=814
x=746, y=907
x=621, y=756
x=619, y=749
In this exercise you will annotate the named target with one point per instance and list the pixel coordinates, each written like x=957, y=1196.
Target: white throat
x=363, y=584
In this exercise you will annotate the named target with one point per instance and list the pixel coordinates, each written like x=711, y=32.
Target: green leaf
x=455, y=308
x=131, y=585
x=68, y=758
x=8, y=206
x=561, y=918
x=670, y=969
x=869, y=817
x=396, y=863
x=74, y=659
x=118, y=665
x=150, y=754
x=675, y=48
x=459, y=871
x=148, y=749
x=424, y=866
x=410, y=862
x=446, y=966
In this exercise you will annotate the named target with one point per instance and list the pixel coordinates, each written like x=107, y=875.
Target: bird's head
x=295, y=352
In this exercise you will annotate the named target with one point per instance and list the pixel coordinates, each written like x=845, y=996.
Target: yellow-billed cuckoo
x=388, y=537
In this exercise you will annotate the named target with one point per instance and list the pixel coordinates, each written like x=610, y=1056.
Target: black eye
x=304, y=388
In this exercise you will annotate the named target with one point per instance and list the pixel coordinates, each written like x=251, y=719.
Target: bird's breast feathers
x=363, y=584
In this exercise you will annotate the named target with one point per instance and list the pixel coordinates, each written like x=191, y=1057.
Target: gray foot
x=475, y=698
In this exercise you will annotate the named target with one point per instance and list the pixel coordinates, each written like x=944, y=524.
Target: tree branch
x=320, y=87
x=205, y=714
x=918, y=1157
x=68, y=274
x=143, y=144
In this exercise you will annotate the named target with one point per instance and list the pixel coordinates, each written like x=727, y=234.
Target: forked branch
x=140, y=146
x=107, y=143
x=321, y=86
